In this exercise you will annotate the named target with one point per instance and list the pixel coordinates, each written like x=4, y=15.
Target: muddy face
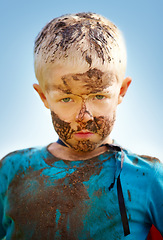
x=83, y=103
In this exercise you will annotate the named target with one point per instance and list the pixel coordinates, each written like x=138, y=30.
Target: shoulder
x=15, y=154
x=138, y=159
x=144, y=162
x=19, y=163
x=21, y=160
x=18, y=155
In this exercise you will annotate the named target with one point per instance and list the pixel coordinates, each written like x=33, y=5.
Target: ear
x=125, y=84
x=41, y=94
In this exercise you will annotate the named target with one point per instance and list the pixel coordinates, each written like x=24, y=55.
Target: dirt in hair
x=62, y=33
x=88, y=60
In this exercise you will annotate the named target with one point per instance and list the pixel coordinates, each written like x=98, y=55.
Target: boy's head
x=79, y=42
x=80, y=63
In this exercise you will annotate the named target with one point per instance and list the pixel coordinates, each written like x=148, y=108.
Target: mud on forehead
x=92, y=80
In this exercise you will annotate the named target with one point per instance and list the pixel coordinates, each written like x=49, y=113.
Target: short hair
x=80, y=41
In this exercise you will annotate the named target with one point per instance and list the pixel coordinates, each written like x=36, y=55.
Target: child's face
x=83, y=106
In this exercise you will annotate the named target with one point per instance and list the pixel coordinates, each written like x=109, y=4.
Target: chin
x=84, y=145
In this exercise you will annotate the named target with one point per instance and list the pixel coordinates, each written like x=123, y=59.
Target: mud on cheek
x=101, y=125
x=105, y=125
x=62, y=128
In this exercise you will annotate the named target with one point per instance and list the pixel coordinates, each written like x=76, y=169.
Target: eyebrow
x=58, y=88
x=69, y=92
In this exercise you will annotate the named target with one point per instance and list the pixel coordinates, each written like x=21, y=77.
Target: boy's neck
x=66, y=153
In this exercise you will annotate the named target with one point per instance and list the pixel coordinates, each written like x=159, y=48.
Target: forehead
x=91, y=81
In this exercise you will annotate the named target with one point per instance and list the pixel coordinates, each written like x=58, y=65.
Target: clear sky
x=24, y=120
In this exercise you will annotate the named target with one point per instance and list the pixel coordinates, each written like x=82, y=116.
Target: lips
x=83, y=134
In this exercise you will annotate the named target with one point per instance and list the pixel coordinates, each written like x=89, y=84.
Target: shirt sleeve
x=155, y=207
x=2, y=231
x=2, y=183
x=5, y=167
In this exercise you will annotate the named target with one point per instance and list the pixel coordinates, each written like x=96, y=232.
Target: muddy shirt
x=43, y=197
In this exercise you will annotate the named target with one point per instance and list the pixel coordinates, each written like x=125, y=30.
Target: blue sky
x=24, y=120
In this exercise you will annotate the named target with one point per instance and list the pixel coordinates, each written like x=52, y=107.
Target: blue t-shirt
x=43, y=197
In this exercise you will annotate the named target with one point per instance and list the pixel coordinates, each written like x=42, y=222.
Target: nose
x=84, y=115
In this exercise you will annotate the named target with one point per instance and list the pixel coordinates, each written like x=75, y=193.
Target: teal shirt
x=43, y=197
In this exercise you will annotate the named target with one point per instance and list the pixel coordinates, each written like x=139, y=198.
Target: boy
x=84, y=186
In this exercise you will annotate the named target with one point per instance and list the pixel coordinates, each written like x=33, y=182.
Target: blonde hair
x=80, y=42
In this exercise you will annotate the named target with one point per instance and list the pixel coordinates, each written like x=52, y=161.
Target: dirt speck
x=135, y=161
x=129, y=195
x=149, y=158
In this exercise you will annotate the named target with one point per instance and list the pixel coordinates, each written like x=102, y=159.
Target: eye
x=99, y=97
x=66, y=100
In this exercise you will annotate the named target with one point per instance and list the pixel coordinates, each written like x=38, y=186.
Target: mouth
x=83, y=134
